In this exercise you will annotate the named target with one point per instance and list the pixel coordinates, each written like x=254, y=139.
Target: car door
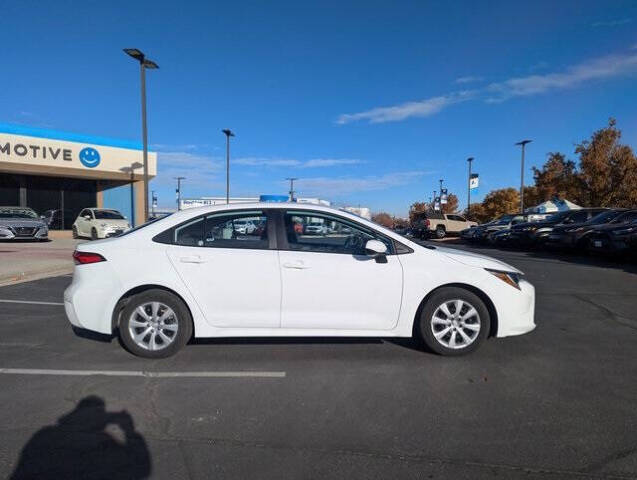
x=233, y=276
x=328, y=282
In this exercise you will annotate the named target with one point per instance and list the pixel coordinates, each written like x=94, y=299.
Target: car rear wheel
x=74, y=229
x=155, y=324
x=454, y=321
x=440, y=231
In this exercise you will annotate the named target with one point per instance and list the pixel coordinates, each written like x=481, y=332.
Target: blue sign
x=274, y=198
x=90, y=157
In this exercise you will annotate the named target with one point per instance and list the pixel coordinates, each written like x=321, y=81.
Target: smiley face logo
x=90, y=157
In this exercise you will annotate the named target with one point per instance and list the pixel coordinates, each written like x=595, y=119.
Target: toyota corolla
x=192, y=274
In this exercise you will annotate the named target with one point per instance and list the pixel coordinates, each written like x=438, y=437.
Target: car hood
x=610, y=226
x=21, y=222
x=476, y=260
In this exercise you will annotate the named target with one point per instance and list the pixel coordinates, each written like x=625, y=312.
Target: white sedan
x=188, y=275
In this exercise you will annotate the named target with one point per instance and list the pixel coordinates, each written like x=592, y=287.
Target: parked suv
x=535, y=233
x=99, y=223
x=440, y=224
x=616, y=236
x=576, y=235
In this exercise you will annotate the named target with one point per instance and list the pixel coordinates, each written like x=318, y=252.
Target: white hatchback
x=98, y=223
x=194, y=273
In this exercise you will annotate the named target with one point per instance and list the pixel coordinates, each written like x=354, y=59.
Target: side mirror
x=376, y=249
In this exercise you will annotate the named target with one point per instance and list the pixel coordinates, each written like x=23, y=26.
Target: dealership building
x=51, y=170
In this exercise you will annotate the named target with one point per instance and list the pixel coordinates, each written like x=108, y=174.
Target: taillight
x=428, y=223
x=82, y=258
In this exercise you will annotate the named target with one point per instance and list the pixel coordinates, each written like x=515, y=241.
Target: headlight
x=511, y=278
x=530, y=228
x=573, y=230
x=103, y=225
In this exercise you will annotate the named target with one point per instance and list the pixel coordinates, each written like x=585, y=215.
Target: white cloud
x=333, y=187
x=199, y=170
x=599, y=68
x=612, y=23
x=282, y=162
x=469, y=79
x=423, y=108
x=596, y=69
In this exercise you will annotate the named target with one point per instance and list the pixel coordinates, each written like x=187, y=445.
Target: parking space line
x=140, y=373
x=31, y=302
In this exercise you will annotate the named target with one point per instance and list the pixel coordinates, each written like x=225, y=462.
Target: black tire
x=94, y=234
x=425, y=322
x=74, y=230
x=182, y=318
x=440, y=231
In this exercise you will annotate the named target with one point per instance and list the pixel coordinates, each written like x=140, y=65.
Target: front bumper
x=516, y=315
x=24, y=233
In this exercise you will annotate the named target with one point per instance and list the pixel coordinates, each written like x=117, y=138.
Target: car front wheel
x=454, y=321
x=440, y=232
x=155, y=324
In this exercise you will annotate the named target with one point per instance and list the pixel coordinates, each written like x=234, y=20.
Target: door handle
x=192, y=259
x=296, y=265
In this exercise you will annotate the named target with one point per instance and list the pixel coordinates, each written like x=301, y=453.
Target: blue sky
x=367, y=102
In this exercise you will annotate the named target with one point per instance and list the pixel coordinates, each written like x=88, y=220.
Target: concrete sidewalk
x=24, y=261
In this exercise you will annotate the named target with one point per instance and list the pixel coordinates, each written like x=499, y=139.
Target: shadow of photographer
x=88, y=443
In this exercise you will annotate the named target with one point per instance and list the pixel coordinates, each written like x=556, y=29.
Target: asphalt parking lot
x=556, y=403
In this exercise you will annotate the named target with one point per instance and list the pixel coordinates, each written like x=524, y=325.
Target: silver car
x=21, y=223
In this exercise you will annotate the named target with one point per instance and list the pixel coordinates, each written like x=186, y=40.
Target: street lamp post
x=469, y=160
x=523, y=144
x=228, y=134
x=179, y=179
x=292, y=187
x=144, y=63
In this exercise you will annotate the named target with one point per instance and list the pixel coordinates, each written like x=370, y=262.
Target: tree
x=383, y=219
x=499, y=202
x=608, y=170
x=558, y=178
x=451, y=205
x=532, y=196
x=401, y=222
x=417, y=211
x=477, y=213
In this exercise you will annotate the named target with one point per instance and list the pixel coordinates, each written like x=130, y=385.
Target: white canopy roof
x=553, y=206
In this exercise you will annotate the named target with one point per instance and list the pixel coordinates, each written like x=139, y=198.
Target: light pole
x=469, y=160
x=523, y=144
x=228, y=134
x=178, y=191
x=433, y=205
x=144, y=63
x=292, y=187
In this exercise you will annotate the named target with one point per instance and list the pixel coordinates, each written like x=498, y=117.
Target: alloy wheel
x=153, y=326
x=455, y=324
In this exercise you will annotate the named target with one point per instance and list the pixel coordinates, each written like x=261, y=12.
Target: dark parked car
x=536, y=233
x=575, y=235
x=615, y=237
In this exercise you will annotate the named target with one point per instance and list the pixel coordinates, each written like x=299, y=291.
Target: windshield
x=604, y=217
x=504, y=220
x=108, y=215
x=557, y=216
x=626, y=217
x=17, y=213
